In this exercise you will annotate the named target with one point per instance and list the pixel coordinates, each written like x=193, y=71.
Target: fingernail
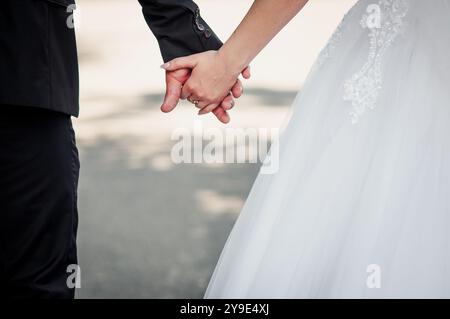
x=203, y=112
x=231, y=105
x=165, y=65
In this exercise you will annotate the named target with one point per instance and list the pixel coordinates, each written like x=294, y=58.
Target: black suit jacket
x=38, y=57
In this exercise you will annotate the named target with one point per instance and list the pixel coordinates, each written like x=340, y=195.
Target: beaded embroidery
x=363, y=88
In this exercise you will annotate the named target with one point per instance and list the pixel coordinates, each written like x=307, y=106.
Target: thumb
x=246, y=73
x=173, y=92
x=188, y=62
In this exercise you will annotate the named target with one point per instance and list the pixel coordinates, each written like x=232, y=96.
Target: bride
x=360, y=207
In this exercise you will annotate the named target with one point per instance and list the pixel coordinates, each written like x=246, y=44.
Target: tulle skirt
x=359, y=207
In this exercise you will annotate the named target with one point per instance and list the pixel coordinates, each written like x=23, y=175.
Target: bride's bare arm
x=215, y=72
x=262, y=23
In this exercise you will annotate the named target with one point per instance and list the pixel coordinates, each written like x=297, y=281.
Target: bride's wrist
x=233, y=62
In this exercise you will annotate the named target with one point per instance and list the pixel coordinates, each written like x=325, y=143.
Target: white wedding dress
x=360, y=206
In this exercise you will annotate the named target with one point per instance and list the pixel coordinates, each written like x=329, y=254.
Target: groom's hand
x=174, y=85
x=211, y=79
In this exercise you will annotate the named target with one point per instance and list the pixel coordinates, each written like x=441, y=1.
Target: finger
x=181, y=63
x=237, y=89
x=173, y=91
x=208, y=109
x=246, y=73
x=221, y=115
x=185, y=92
x=228, y=102
x=201, y=104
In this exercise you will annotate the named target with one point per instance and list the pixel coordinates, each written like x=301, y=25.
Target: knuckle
x=191, y=87
x=201, y=95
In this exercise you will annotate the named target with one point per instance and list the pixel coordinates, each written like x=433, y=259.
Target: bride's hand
x=211, y=80
x=174, y=84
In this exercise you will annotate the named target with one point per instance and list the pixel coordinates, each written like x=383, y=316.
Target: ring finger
x=198, y=104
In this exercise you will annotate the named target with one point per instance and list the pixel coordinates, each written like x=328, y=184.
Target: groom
x=39, y=164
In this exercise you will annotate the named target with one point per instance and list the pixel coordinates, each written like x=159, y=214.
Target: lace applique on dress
x=384, y=22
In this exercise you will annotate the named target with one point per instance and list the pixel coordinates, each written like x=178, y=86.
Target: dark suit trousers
x=39, y=170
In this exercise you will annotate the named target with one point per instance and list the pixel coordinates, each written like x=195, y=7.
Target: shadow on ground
x=261, y=97
x=149, y=228
x=146, y=233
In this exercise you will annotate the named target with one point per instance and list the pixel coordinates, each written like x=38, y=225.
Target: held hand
x=211, y=80
x=174, y=84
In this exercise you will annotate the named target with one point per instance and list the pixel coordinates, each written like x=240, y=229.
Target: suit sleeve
x=178, y=27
